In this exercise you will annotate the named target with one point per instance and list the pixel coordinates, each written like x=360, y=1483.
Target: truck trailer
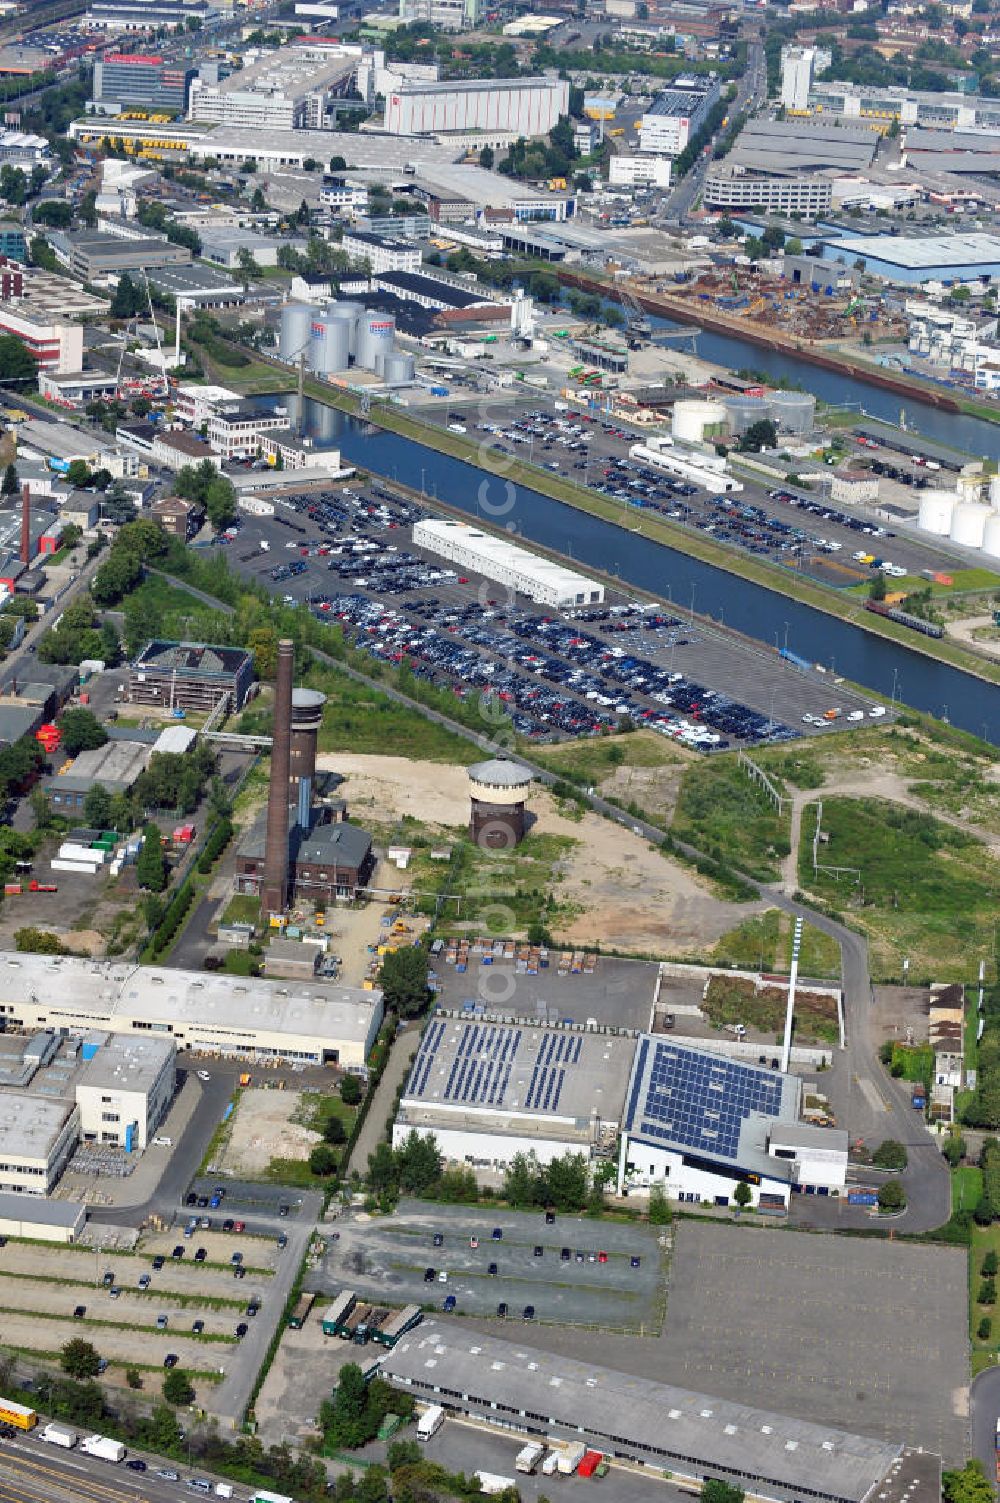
x=103, y=1448
x=58, y=1435
x=430, y=1422
x=528, y=1457
x=491, y=1483
x=570, y=1457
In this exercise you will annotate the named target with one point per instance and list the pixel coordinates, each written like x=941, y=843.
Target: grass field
x=591, y=761
x=723, y=813
x=764, y=943
x=919, y=888
x=499, y=892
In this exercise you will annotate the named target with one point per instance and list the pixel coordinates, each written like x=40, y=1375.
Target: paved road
x=373, y=1128
x=33, y=1472
x=985, y=1402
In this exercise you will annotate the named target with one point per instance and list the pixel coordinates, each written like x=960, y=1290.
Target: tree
x=323, y=1160
x=660, y=1213
x=954, y=1150
x=55, y=212
x=403, y=979
x=150, y=867
x=890, y=1155
x=344, y=1414
x=760, y=435
x=566, y=1182
x=521, y=1181
x=177, y=1387
x=127, y=300
x=970, y=1485
x=715, y=1491
x=17, y=363
x=486, y=157
x=10, y=484
x=350, y=1090
x=383, y=1171
x=418, y=1163
x=81, y=730
x=989, y=1265
x=742, y=1194
x=133, y=1377
x=79, y=1359
x=987, y=1292
x=220, y=502
x=877, y=588
x=892, y=1197
x=985, y=1328
x=97, y=807
x=334, y=1131
x=78, y=473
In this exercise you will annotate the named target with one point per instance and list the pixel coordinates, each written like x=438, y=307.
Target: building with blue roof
x=697, y=1123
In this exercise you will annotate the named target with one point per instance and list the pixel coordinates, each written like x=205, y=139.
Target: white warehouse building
x=518, y=106
x=481, y=552
x=37, y=1138
x=125, y=1088
x=490, y=1090
x=699, y=1123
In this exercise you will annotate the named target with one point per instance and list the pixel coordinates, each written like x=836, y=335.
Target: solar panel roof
x=701, y=1101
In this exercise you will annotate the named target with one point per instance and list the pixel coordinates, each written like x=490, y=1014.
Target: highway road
x=32, y=1471
x=751, y=95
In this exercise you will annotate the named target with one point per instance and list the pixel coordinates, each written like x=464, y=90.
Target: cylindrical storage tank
x=350, y=314
x=968, y=523
x=328, y=344
x=293, y=333
x=743, y=412
x=398, y=370
x=991, y=536
x=792, y=411
x=936, y=511
x=995, y=493
x=376, y=334
x=693, y=421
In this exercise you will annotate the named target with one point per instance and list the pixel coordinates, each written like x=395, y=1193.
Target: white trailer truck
x=58, y=1435
x=430, y=1422
x=103, y=1448
x=492, y=1484
x=570, y=1457
x=528, y=1457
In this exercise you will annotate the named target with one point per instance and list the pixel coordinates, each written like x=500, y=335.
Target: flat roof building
x=517, y=106
x=663, y=1429
x=676, y=114
x=40, y=1219
x=190, y=675
x=37, y=1137
x=913, y=259
x=790, y=146
x=113, y=767
x=245, y=1019
x=495, y=558
x=124, y=1089
x=488, y=1091
x=93, y=255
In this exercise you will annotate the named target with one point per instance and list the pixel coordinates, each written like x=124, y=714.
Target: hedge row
x=215, y=845
x=172, y=919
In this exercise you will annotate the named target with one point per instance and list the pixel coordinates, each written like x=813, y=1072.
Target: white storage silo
x=328, y=344
x=743, y=412
x=968, y=523
x=349, y=314
x=397, y=369
x=792, y=411
x=991, y=535
x=692, y=420
x=293, y=334
x=936, y=511
x=376, y=336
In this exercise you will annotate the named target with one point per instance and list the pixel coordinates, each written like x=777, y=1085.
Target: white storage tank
x=936, y=511
x=293, y=334
x=376, y=336
x=349, y=313
x=692, y=420
x=968, y=523
x=792, y=411
x=744, y=412
x=328, y=344
x=397, y=370
x=991, y=536
x=995, y=493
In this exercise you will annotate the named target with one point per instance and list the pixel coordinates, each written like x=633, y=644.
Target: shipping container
x=570, y=1457
x=862, y=1197
x=589, y=1464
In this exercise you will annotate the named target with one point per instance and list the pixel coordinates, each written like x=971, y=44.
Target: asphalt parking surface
x=619, y=994
x=385, y=1260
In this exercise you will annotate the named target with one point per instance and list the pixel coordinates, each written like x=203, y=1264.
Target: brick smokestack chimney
x=25, y=525
x=274, y=886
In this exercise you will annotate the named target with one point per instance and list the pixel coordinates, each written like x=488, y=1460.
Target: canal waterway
x=882, y=665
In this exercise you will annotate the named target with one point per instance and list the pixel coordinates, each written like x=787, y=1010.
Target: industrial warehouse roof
x=89, y=993
x=615, y=1411
x=420, y=286
x=40, y=1210
x=471, y=85
x=433, y=532
x=518, y=1072
x=793, y=146
x=116, y=765
x=925, y=252
x=696, y=1101
x=30, y=1125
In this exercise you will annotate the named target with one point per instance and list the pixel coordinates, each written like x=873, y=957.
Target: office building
x=37, y=1137
x=175, y=451
x=93, y=255
x=729, y=186
x=381, y=252
x=797, y=65
x=145, y=82
x=677, y=114
x=639, y=172
x=55, y=344
x=244, y=1019
x=698, y=1124
x=665, y=1431
x=290, y=89
x=235, y=430
x=124, y=1089
x=443, y=15
x=521, y=106
x=490, y=1090
x=190, y=676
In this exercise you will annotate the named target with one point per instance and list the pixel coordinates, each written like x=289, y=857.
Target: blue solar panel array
x=698, y=1101
x=484, y=1060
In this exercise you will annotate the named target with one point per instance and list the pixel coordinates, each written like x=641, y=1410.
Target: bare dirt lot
x=303, y=1374
x=263, y=1130
x=624, y=893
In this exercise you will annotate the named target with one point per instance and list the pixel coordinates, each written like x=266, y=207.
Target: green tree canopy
x=403, y=979
x=177, y=1387
x=151, y=868
x=79, y=1359
x=81, y=730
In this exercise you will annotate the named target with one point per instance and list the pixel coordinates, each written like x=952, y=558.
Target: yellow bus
x=18, y=1415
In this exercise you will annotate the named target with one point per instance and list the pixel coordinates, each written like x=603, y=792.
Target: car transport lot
x=348, y=558
x=387, y=1260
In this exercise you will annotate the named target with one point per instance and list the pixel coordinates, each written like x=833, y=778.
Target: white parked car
x=163, y=1142
x=204, y=1075
x=856, y=715
x=876, y=712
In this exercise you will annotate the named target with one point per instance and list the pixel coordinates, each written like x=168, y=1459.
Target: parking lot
x=866, y=1335
x=348, y=558
x=619, y=994
x=137, y=1308
x=389, y=1260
